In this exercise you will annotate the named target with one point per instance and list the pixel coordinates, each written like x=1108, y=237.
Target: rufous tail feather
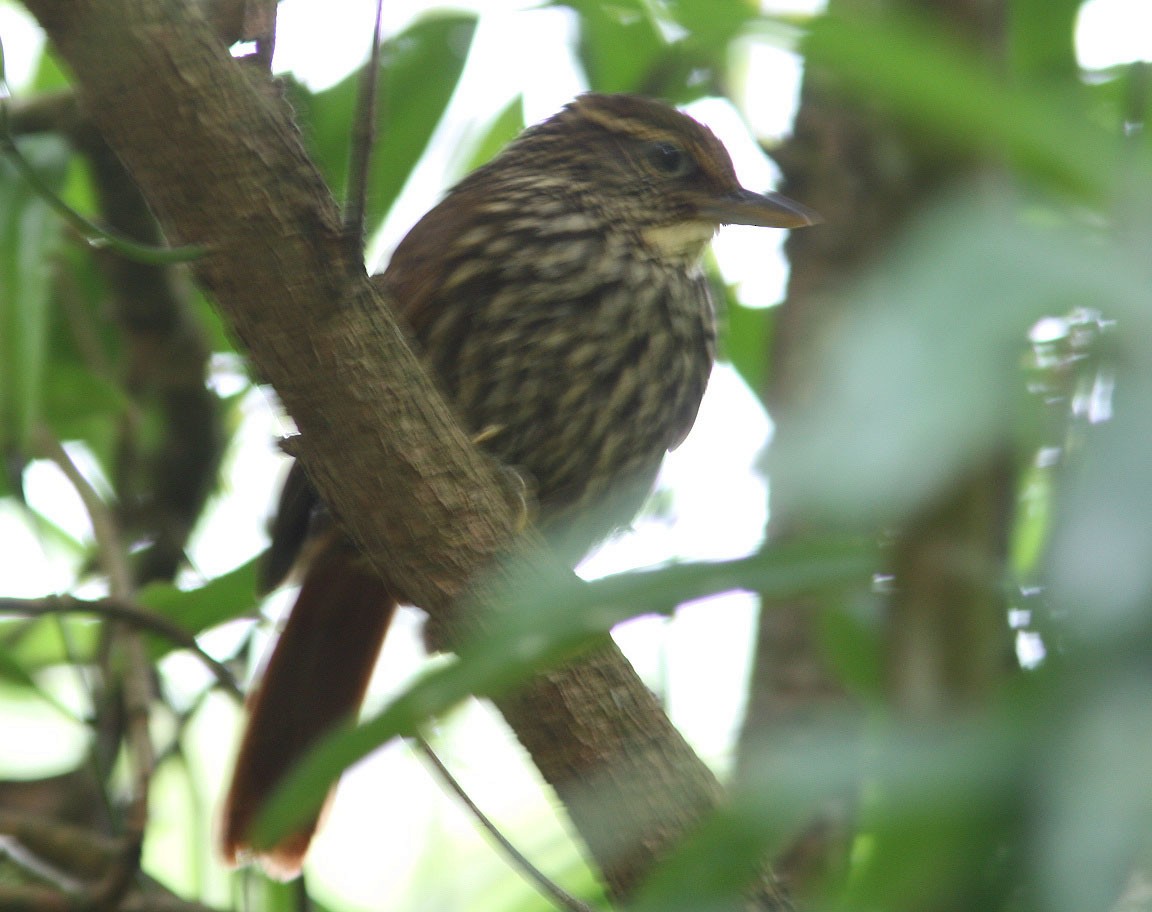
x=314, y=681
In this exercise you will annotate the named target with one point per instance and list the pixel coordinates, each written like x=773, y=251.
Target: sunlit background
x=390, y=810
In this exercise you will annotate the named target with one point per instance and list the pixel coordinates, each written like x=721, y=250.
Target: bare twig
x=136, y=677
x=137, y=683
x=113, y=557
x=547, y=887
x=363, y=139
x=36, y=866
x=46, y=899
x=79, y=852
x=129, y=613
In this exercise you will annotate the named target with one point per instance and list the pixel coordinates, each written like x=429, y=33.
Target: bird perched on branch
x=557, y=298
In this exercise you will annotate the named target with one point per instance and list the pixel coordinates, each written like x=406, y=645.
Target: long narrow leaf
x=551, y=619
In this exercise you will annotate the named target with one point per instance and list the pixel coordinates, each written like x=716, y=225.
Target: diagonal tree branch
x=216, y=154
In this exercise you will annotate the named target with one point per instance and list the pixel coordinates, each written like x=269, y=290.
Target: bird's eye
x=667, y=158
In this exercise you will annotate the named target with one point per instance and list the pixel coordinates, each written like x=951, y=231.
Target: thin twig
x=363, y=139
x=20, y=856
x=105, y=529
x=77, y=852
x=135, y=674
x=130, y=613
x=137, y=695
x=46, y=899
x=549, y=888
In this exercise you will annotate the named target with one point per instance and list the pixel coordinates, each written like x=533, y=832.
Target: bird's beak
x=768, y=210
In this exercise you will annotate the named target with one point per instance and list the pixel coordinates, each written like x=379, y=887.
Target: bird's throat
x=682, y=243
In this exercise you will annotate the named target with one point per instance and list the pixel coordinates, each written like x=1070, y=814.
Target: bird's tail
x=313, y=682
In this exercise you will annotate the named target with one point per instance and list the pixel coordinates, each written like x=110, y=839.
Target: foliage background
x=970, y=377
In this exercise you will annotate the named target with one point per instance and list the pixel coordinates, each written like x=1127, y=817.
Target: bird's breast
x=582, y=376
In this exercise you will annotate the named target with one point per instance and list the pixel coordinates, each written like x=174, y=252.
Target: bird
x=557, y=298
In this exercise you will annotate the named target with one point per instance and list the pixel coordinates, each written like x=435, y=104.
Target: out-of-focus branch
x=129, y=613
x=109, y=542
x=135, y=673
x=78, y=856
x=45, y=899
x=164, y=486
x=71, y=858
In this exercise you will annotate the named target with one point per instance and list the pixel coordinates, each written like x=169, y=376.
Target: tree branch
x=131, y=614
x=71, y=857
x=216, y=154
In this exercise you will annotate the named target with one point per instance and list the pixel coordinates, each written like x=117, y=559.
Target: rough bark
x=214, y=151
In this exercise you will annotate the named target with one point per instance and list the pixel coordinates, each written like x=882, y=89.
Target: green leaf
x=224, y=598
x=73, y=395
x=748, y=340
x=57, y=640
x=49, y=76
x=619, y=45
x=29, y=234
x=12, y=671
x=931, y=81
x=713, y=23
x=16, y=672
x=852, y=639
x=500, y=132
x=922, y=377
x=52, y=535
x=1041, y=39
x=1098, y=811
x=930, y=782
x=216, y=333
x=1097, y=563
x=1033, y=523
x=551, y=618
x=418, y=73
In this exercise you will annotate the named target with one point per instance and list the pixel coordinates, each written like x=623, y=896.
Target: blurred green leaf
x=49, y=641
x=747, y=341
x=217, y=335
x=49, y=76
x=942, y=88
x=14, y=672
x=1041, y=39
x=74, y=396
x=713, y=23
x=52, y=535
x=1033, y=520
x=852, y=637
x=619, y=44
x=419, y=70
x=923, y=374
x=950, y=777
x=549, y=619
x=228, y=596
x=1097, y=808
x=506, y=127
x=676, y=50
x=1098, y=561
x=29, y=234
